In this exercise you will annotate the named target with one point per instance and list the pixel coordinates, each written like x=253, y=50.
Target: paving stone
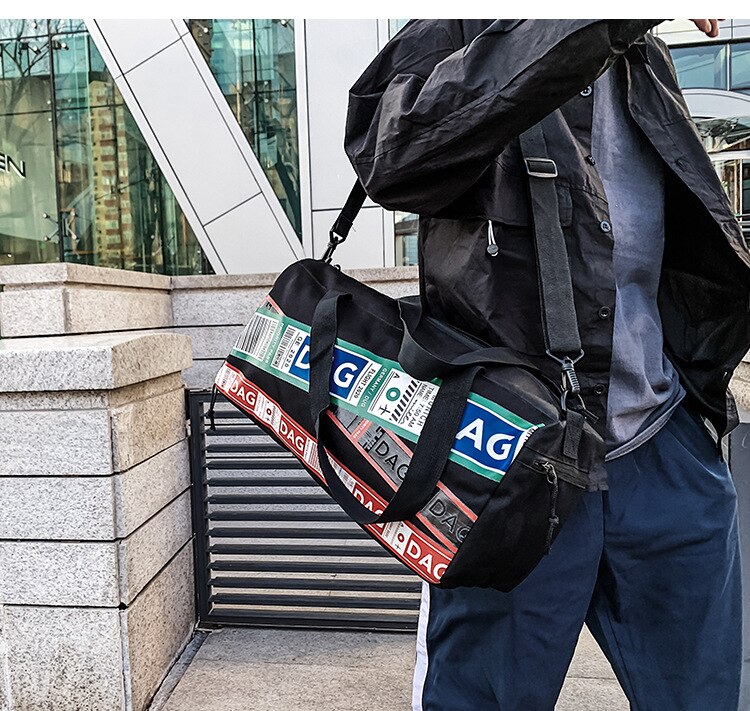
x=58, y=573
x=307, y=670
x=589, y=661
x=147, y=487
x=240, y=686
x=345, y=649
x=146, y=551
x=142, y=429
x=591, y=695
x=64, y=659
x=158, y=625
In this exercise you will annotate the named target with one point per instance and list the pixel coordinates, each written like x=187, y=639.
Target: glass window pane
x=395, y=25
x=67, y=26
x=27, y=172
x=116, y=209
x=727, y=171
x=254, y=65
x=77, y=139
x=407, y=228
x=701, y=67
x=23, y=28
x=24, y=76
x=28, y=225
x=740, y=67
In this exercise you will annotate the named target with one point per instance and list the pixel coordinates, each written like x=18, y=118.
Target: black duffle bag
x=463, y=460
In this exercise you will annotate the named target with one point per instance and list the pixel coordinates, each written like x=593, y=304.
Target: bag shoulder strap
x=559, y=322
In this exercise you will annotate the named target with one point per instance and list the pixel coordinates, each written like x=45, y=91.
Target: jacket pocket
x=507, y=202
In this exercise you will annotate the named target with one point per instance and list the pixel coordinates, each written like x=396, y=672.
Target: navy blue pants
x=651, y=566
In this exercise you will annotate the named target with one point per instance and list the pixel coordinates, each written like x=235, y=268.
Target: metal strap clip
x=541, y=167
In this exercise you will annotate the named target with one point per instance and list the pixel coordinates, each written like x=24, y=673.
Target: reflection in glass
x=77, y=180
x=406, y=228
x=740, y=67
x=253, y=62
x=394, y=26
x=28, y=207
x=13, y=29
x=702, y=67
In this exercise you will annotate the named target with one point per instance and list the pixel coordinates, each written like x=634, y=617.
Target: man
x=661, y=282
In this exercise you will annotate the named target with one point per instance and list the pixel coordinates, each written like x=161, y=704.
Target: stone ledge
x=90, y=362
x=36, y=275
x=59, y=299
x=234, y=281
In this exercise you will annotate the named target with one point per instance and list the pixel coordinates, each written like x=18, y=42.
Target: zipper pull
x=553, y=518
x=492, y=248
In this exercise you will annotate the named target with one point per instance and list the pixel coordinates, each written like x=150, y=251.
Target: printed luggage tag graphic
x=426, y=556
x=377, y=389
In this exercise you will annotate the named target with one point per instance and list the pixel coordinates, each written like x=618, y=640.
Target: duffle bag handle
x=423, y=364
x=435, y=440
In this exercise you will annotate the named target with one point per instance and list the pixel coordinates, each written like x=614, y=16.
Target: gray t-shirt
x=644, y=387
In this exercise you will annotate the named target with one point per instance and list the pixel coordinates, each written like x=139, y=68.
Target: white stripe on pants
x=420, y=668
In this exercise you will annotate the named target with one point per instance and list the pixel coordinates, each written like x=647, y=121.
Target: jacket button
x=605, y=226
x=600, y=389
x=590, y=160
x=605, y=312
x=587, y=91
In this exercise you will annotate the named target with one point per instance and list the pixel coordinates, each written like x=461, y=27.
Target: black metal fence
x=271, y=546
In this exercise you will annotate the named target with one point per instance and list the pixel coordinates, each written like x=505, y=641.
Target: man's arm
x=427, y=118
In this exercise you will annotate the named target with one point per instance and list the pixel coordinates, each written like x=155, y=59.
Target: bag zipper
x=492, y=248
x=568, y=475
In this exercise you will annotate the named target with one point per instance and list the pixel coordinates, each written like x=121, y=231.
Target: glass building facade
x=724, y=67
x=77, y=180
x=714, y=66
x=254, y=65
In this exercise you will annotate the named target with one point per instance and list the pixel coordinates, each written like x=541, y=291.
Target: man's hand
x=709, y=27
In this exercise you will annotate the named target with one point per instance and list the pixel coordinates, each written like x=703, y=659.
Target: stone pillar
x=96, y=563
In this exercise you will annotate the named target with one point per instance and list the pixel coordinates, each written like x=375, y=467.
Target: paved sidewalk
x=289, y=670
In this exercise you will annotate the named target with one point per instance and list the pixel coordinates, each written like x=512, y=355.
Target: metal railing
x=272, y=548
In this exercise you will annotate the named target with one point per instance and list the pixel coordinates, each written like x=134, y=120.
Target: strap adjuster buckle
x=541, y=167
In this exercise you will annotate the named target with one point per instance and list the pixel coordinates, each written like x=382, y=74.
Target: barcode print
x=257, y=335
x=404, y=401
x=286, y=339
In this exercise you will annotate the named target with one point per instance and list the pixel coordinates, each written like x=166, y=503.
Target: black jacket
x=432, y=128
